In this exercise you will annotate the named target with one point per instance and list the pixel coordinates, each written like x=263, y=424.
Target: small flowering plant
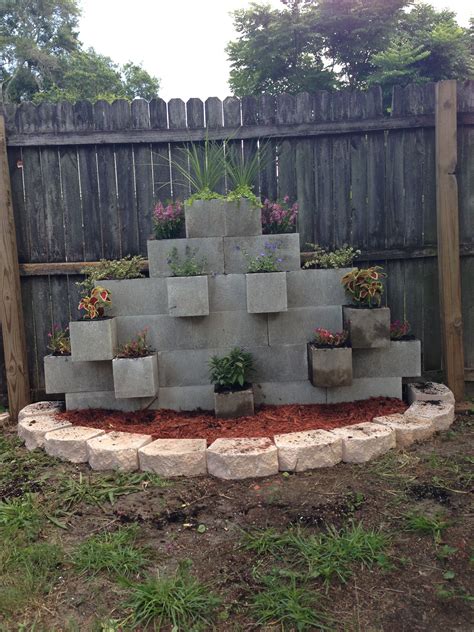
x=279, y=217
x=96, y=303
x=187, y=265
x=267, y=259
x=138, y=347
x=399, y=329
x=364, y=286
x=168, y=220
x=59, y=342
x=325, y=339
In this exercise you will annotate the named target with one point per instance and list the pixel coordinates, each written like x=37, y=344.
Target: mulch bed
x=267, y=421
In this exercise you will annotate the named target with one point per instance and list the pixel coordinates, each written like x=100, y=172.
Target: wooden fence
x=84, y=179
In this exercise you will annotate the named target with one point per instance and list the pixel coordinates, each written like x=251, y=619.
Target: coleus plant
x=95, y=303
x=364, y=286
x=399, y=329
x=325, y=338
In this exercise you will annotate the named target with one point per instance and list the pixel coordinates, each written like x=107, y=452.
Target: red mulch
x=267, y=421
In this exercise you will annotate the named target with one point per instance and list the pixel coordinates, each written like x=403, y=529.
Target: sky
x=180, y=41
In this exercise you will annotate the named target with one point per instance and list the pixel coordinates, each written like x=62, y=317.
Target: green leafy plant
x=340, y=258
x=115, y=553
x=181, y=602
x=231, y=371
x=186, y=266
x=364, y=286
x=326, y=339
x=59, y=342
x=20, y=515
x=266, y=260
x=201, y=167
x=138, y=347
x=242, y=192
x=427, y=525
x=168, y=221
x=118, y=269
x=96, y=304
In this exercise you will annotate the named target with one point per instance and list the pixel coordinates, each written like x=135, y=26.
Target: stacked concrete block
x=93, y=340
x=186, y=332
x=135, y=377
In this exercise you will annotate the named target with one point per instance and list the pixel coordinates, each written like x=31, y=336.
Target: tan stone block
x=441, y=414
x=70, y=444
x=365, y=441
x=242, y=458
x=116, y=451
x=32, y=429
x=407, y=429
x=300, y=451
x=174, y=457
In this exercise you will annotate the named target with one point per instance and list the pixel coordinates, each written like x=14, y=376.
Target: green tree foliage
x=41, y=58
x=320, y=44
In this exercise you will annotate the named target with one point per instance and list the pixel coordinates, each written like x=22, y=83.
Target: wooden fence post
x=11, y=311
x=449, y=268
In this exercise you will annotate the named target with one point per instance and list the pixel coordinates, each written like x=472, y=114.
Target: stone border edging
x=234, y=459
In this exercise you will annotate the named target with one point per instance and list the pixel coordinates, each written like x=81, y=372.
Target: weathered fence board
x=85, y=178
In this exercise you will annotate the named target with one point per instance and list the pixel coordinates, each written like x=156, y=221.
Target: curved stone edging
x=232, y=459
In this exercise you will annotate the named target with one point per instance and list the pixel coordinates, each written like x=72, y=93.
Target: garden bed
x=267, y=421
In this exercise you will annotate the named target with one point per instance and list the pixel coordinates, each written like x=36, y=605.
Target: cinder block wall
x=277, y=340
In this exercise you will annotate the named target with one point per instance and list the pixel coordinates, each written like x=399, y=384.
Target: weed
x=180, y=601
x=115, y=553
x=426, y=525
x=445, y=552
x=291, y=606
x=20, y=515
x=327, y=555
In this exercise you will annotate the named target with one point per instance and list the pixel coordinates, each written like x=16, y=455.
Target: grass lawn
x=381, y=547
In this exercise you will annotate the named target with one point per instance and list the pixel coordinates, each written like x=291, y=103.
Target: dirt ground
x=424, y=583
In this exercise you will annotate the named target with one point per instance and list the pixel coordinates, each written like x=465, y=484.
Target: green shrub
x=119, y=269
x=231, y=371
x=340, y=258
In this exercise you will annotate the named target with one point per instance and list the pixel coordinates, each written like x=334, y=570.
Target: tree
x=42, y=59
x=320, y=44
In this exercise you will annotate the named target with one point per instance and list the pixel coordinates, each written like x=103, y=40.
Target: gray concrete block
x=105, y=400
x=136, y=297
x=297, y=325
x=208, y=249
x=93, y=340
x=234, y=404
x=188, y=296
x=277, y=393
x=368, y=328
x=185, y=398
x=135, y=377
x=220, y=218
x=62, y=375
x=366, y=387
x=227, y=293
x=266, y=292
x=329, y=368
x=191, y=367
x=220, y=329
x=288, y=250
x=312, y=288
x=401, y=359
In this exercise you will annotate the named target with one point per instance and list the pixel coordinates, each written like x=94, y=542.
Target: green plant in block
x=231, y=371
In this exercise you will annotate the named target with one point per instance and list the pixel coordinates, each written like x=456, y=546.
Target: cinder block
x=227, y=292
x=233, y=404
x=266, y=292
x=329, y=368
x=70, y=444
x=174, y=457
x=313, y=288
x=220, y=218
x=368, y=328
x=300, y=451
x=208, y=249
x=219, y=329
x=137, y=297
x=234, y=459
x=366, y=387
x=116, y=451
x=105, y=400
x=93, y=340
x=188, y=296
x=401, y=359
x=135, y=377
x=288, y=250
x=296, y=326
x=277, y=393
x=62, y=375
x=185, y=398
x=191, y=367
